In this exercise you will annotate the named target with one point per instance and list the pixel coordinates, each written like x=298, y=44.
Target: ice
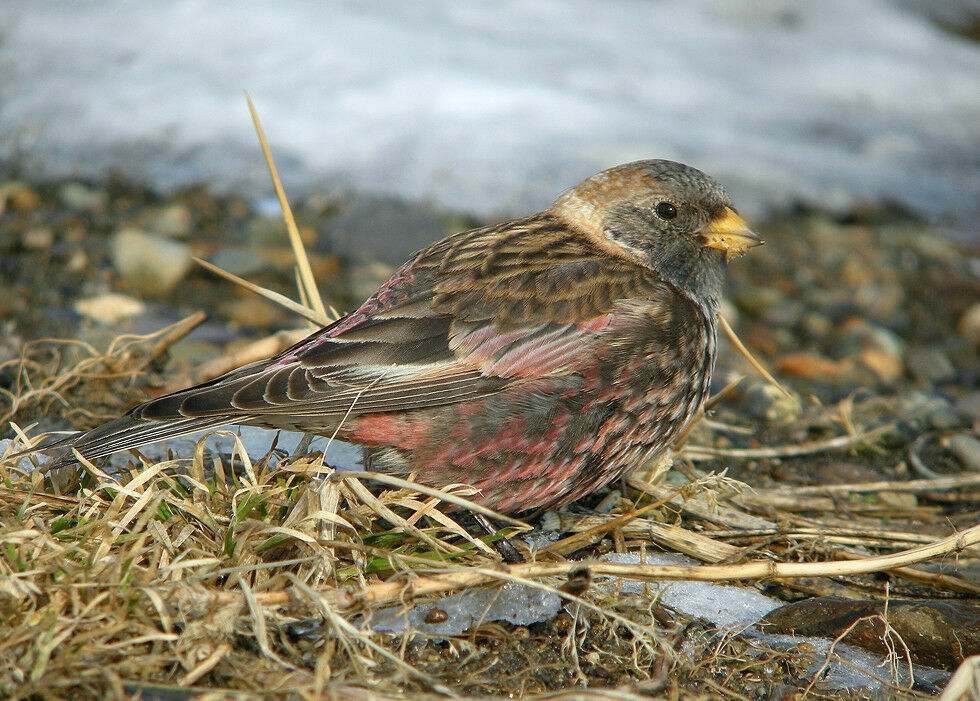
x=495, y=107
x=517, y=603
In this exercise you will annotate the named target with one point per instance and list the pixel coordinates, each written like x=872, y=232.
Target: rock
x=109, y=309
x=785, y=314
x=919, y=408
x=968, y=407
x=967, y=450
x=82, y=198
x=943, y=418
x=174, y=221
x=767, y=403
x=969, y=324
x=150, y=265
x=38, y=238
x=810, y=366
x=930, y=365
x=886, y=366
x=253, y=312
x=265, y=231
x=386, y=227
x=841, y=472
x=816, y=325
x=238, y=261
x=756, y=299
x=938, y=633
x=19, y=196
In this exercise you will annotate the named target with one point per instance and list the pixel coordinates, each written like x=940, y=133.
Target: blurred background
x=494, y=108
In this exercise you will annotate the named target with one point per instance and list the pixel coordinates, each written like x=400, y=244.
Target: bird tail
x=119, y=434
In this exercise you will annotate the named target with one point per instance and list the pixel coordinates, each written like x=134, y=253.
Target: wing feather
x=464, y=318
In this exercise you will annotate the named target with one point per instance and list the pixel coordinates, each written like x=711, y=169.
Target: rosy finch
x=534, y=360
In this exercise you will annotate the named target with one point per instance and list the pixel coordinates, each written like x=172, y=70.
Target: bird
x=534, y=360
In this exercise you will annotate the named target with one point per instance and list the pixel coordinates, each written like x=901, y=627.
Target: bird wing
x=462, y=319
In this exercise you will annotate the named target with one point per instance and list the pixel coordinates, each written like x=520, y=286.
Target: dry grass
x=188, y=573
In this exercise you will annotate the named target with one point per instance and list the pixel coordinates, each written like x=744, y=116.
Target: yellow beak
x=727, y=232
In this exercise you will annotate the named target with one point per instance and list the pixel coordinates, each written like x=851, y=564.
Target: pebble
x=919, y=408
x=109, y=309
x=253, y=311
x=174, y=221
x=265, y=231
x=969, y=324
x=150, y=265
x=764, y=401
x=810, y=366
x=756, y=299
x=967, y=450
x=19, y=196
x=816, y=325
x=242, y=262
x=930, y=365
x=968, y=406
x=389, y=228
x=38, y=238
x=82, y=198
x=886, y=366
x=944, y=418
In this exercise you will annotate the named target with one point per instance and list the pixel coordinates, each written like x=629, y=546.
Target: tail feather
x=120, y=434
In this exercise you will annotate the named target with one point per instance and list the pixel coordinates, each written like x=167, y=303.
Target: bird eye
x=665, y=210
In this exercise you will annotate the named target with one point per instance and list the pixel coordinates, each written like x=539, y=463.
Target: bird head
x=663, y=215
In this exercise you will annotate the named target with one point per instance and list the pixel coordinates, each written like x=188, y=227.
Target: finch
x=534, y=360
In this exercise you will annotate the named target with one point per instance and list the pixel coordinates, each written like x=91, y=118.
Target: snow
x=494, y=108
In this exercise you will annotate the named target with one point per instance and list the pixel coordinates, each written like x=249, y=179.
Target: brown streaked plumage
x=535, y=360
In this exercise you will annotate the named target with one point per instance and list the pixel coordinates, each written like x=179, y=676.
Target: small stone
x=810, y=366
x=930, y=365
x=252, y=312
x=174, y=221
x=755, y=299
x=19, y=196
x=917, y=407
x=109, y=309
x=82, y=198
x=38, y=238
x=969, y=324
x=943, y=418
x=78, y=261
x=265, y=231
x=816, y=325
x=967, y=450
x=886, y=366
x=150, y=265
x=766, y=402
x=842, y=472
x=968, y=407
x=238, y=261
